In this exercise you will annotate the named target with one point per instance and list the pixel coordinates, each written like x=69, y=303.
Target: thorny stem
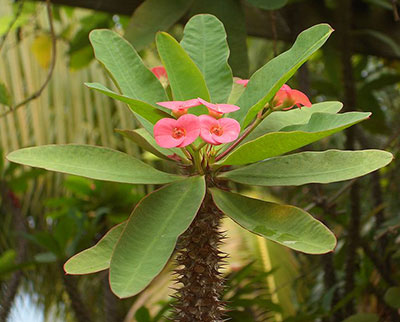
x=258, y=120
x=199, y=261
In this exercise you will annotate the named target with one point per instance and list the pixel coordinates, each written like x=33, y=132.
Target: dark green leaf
x=392, y=297
x=268, y=4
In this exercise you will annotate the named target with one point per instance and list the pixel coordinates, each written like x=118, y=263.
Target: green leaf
x=150, y=235
x=237, y=91
x=286, y=225
x=292, y=137
x=231, y=13
x=362, y=317
x=392, y=297
x=126, y=67
x=145, y=110
x=5, y=97
x=280, y=119
x=268, y=4
x=205, y=41
x=146, y=141
x=184, y=76
x=269, y=79
x=91, y=162
x=310, y=167
x=97, y=257
x=152, y=16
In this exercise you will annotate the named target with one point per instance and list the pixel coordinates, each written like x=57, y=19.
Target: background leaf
x=205, y=41
x=150, y=235
x=268, y=4
x=310, y=167
x=286, y=225
x=152, y=16
x=5, y=97
x=91, y=162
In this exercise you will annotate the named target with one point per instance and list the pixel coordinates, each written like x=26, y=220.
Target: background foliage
x=45, y=218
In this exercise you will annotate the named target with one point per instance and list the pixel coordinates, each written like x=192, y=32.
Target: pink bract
x=242, y=82
x=159, y=72
x=219, y=131
x=170, y=133
x=287, y=98
x=217, y=110
x=180, y=106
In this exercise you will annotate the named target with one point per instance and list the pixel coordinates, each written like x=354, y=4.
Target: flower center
x=217, y=130
x=178, y=132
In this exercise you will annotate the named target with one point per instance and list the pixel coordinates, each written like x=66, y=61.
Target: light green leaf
x=152, y=16
x=205, y=41
x=286, y=225
x=310, y=167
x=280, y=119
x=292, y=137
x=150, y=235
x=362, y=317
x=147, y=142
x=91, y=162
x=145, y=110
x=268, y=4
x=237, y=91
x=126, y=67
x=97, y=257
x=269, y=79
x=184, y=76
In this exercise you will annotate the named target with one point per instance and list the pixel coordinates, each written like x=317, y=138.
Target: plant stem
x=245, y=134
x=199, y=261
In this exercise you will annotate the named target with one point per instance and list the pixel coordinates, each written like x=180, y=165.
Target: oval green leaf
x=126, y=67
x=310, y=167
x=96, y=258
x=286, y=225
x=204, y=40
x=266, y=81
x=292, y=137
x=150, y=235
x=184, y=76
x=91, y=162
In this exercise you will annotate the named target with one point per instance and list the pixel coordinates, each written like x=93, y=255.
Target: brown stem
x=199, y=261
x=51, y=69
x=80, y=309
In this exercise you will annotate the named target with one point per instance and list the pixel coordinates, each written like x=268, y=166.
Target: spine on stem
x=198, y=273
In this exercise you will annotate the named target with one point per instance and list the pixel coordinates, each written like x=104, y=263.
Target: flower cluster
x=184, y=130
x=212, y=128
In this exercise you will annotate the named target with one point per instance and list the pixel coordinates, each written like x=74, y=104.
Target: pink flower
x=215, y=131
x=286, y=98
x=160, y=72
x=180, y=107
x=242, y=82
x=170, y=133
x=216, y=110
